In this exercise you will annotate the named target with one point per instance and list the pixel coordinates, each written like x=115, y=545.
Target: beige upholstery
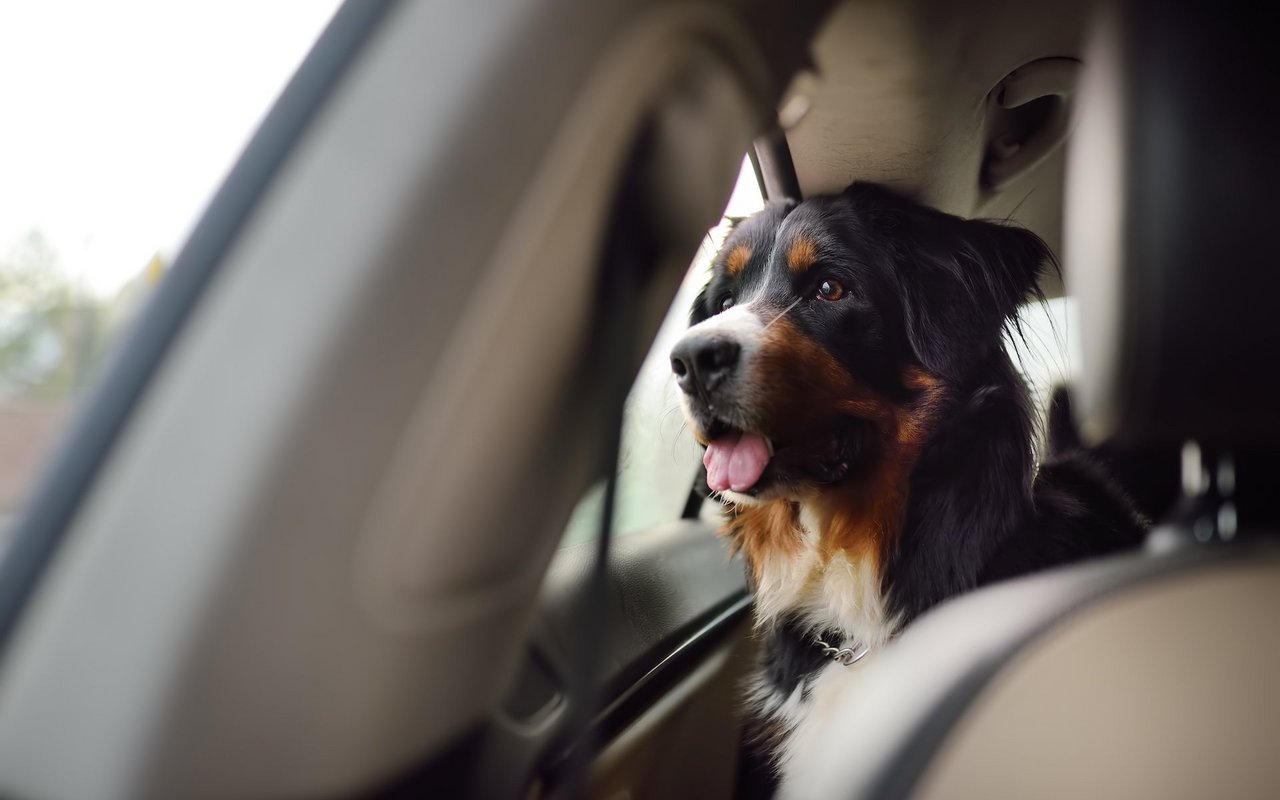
x=1168, y=690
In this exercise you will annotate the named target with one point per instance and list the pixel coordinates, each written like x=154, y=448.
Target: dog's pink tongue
x=735, y=461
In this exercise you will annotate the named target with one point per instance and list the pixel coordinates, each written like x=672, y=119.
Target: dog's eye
x=726, y=303
x=830, y=290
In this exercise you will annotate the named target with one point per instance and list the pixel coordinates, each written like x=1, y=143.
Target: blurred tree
x=51, y=331
x=54, y=335
x=29, y=272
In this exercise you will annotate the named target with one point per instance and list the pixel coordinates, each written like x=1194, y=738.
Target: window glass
x=1044, y=349
x=120, y=120
x=659, y=457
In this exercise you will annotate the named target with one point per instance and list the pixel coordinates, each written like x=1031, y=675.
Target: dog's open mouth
x=747, y=462
x=736, y=461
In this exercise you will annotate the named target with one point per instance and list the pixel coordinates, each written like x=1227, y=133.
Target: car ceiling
x=902, y=93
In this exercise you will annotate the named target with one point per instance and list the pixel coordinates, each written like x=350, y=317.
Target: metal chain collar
x=848, y=656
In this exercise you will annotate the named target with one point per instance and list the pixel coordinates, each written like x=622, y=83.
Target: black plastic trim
x=776, y=169
x=754, y=158
x=628, y=703
x=655, y=682
x=97, y=426
x=694, y=502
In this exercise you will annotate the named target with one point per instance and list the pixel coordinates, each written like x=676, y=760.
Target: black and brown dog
x=847, y=372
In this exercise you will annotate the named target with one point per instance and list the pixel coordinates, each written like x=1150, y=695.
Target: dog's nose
x=703, y=361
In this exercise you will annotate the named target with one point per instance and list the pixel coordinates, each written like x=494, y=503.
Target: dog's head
x=824, y=321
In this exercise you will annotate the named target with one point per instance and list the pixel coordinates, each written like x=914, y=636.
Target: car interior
x=371, y=502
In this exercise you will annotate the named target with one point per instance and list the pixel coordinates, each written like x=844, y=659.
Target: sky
x=119, y=119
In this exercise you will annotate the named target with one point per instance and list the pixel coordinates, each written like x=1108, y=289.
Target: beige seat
x=1165, y=689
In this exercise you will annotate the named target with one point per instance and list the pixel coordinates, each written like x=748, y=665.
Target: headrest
x=1171, y=225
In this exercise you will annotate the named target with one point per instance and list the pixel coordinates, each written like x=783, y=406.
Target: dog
x=846, y=371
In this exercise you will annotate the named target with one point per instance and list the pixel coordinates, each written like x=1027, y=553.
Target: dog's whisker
x=1020, y=202
x=794, y=303
x=675, y=441
x=662, y=419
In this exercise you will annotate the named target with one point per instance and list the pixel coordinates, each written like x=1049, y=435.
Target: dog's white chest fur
x=835, y=591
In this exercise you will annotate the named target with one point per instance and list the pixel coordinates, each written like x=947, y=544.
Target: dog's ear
x=961, y=280
x=961, y=283
x=698, y=311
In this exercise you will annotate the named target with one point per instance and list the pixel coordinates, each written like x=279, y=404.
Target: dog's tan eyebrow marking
x=737, y=259
x=802, y=254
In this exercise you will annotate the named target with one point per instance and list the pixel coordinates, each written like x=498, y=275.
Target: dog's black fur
x=924, y=291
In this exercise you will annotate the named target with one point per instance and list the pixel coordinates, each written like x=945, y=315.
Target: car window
x=1045, y=348
x=121, y=119
x=659, y=457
